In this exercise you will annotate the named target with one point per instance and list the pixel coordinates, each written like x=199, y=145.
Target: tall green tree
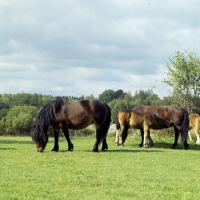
x=184, y=77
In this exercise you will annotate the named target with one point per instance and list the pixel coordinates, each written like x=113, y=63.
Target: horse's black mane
x=45, y=117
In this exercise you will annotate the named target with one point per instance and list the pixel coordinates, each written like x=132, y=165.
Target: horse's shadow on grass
x=15, y=142
x=168, y=145
x=8, y=149
x=194, y=147
x=134, y=150
x=114, y=150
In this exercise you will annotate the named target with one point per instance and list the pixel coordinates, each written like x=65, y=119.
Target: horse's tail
x=117, y=122
x=184, y=127
x=107, y=121
x=105, y=128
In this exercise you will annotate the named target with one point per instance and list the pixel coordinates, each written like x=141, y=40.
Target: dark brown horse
x=142, y=121
x=178, y=118
x=62, y=114
x=195, y=126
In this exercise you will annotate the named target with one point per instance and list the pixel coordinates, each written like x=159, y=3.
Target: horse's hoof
x=70, y=150
x=151, y=145
x=40, y=150
x=173, y=147
x=56, y=150
x=186, y=147
x=94, y=150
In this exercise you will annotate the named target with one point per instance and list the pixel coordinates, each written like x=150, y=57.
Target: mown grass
x=127, y=172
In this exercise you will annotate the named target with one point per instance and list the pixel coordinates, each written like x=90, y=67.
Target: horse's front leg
x=66, y=134
x=146, y=134
x=119, y=138
x=56, y=137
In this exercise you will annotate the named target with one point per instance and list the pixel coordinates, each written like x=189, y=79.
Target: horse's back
x=79, y=114
x=132, y=118
x=169, y=113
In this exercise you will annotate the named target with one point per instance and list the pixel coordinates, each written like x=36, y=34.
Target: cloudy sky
x=83, y=47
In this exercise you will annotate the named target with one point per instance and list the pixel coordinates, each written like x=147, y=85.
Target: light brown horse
x=62, y=114
x=195, y=126
x=177, y=116
x=143, y=121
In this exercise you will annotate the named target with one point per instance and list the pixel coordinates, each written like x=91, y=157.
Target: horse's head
x=161, y=123
x=39, y=137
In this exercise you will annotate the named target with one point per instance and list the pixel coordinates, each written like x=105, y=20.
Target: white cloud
x=85, y=47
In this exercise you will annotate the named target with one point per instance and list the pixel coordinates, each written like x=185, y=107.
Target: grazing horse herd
x=62, y=114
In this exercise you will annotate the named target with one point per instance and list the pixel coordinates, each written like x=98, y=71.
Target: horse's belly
x=79, y=122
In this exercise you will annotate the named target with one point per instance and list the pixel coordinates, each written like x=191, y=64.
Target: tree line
x=18, y=111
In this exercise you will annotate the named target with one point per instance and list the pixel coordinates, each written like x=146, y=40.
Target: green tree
x=116, y=105
x=107, y=96
x=184, y=77
x=90, y=97
x=19, y=119
x=119, y=94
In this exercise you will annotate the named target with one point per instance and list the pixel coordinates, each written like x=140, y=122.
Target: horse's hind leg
x=56, y=137
x=176, y=135
x=100, y=137
x=142, y=137
x=98, y=140
x=150, y=139
x=104, y=145
x=104, y=130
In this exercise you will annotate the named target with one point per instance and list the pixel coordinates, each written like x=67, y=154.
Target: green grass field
x=127, y=172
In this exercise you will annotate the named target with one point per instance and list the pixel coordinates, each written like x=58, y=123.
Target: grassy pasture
x=127, y=172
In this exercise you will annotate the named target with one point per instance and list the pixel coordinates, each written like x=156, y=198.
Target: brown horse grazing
x=62, y=114
x=178, y=117
x=143, y=121
x=195, y=126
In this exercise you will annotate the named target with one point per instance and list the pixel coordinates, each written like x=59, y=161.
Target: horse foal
x=142, y=121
